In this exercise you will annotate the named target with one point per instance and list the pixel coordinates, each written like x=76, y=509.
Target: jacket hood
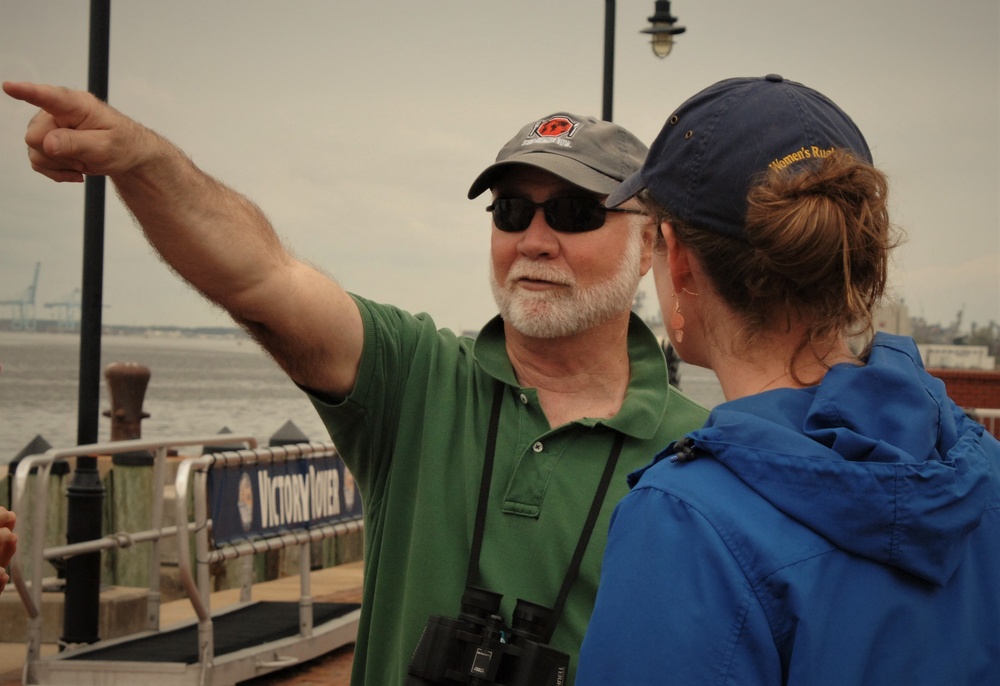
x=876, y=459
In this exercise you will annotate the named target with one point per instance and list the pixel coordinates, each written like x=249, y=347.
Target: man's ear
x=648, y=241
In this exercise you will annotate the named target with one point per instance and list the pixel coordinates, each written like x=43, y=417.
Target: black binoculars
x=478, y=649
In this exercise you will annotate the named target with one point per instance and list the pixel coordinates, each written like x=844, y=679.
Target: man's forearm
x=213, y=237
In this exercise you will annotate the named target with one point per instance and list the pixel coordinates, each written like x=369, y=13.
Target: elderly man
x=478, y=461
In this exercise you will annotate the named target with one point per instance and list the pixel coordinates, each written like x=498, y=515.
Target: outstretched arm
x=212, y=236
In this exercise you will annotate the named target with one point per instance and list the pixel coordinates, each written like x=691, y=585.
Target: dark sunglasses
x=573, y=214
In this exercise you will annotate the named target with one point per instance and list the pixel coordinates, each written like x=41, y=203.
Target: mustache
x=524, y=269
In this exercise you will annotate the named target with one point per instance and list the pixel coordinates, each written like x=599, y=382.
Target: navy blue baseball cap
x=721, y=142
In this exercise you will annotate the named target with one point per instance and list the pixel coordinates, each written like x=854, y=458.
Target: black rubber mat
x=253, y=625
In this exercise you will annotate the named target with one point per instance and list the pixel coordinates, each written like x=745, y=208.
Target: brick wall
x=973, y=389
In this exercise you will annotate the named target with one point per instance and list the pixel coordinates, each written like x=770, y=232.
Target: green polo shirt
x=413, y=433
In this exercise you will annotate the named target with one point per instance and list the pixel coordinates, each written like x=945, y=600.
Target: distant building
x=943, y=356
x=893, y=317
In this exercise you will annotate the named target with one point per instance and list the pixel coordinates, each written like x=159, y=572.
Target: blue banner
x=255, y=501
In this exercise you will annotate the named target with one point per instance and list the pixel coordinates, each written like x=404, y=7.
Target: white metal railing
x=191, y=486
x=31, y=591
x=198, y=586
x=988, y=417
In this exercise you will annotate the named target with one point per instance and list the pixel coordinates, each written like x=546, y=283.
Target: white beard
x=569, y=310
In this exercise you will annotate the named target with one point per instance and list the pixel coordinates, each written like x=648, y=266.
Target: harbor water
x=197, y=386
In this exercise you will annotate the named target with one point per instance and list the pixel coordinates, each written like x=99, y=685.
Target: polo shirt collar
x=645, y=402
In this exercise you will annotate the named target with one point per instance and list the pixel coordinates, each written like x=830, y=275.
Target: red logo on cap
x=556, y=126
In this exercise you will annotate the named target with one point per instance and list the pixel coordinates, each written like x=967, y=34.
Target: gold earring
x=677, y=320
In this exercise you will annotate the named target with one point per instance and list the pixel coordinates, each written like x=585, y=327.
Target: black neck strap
x=588, y=526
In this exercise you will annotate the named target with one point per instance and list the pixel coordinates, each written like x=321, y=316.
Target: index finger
x=68, y=107
x=7, y=518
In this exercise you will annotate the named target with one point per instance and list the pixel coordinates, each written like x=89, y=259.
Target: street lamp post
x=662, y=32
x=85, y=493
x=609, y=58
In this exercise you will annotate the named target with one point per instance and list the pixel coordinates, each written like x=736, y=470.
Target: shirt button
x=524, y=399
x=538, y=447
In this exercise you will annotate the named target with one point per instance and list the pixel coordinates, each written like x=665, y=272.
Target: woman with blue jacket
x=837, y=519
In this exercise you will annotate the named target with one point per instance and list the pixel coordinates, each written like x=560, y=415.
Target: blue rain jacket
x=847, y=533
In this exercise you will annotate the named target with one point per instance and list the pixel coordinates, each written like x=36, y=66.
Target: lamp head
x=662, y=29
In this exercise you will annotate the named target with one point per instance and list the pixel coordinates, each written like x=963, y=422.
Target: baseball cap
x=720, y=142
x=590, y=153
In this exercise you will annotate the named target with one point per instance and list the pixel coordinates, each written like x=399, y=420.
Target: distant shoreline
x=55, y=326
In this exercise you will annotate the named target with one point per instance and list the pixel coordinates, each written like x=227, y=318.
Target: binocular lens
x=530, y=620
x=479, y=602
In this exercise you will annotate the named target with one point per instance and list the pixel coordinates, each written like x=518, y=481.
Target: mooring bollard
x=131, y=477
x=288, y=434
x=127, y=383
x=35, y=446
x=222, y=447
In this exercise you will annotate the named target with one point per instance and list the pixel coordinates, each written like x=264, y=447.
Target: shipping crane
x=23, y=305
x=69, y=312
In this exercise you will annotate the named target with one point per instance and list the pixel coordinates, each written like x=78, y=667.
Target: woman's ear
x=678, y=258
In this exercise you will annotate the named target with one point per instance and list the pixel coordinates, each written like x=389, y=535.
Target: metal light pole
x=85, y=493
x=662, y=31
x=609, y=58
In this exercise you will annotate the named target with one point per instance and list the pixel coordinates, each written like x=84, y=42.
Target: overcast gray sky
x=358, y=127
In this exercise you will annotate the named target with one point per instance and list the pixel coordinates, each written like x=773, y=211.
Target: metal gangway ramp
x=234, y=517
